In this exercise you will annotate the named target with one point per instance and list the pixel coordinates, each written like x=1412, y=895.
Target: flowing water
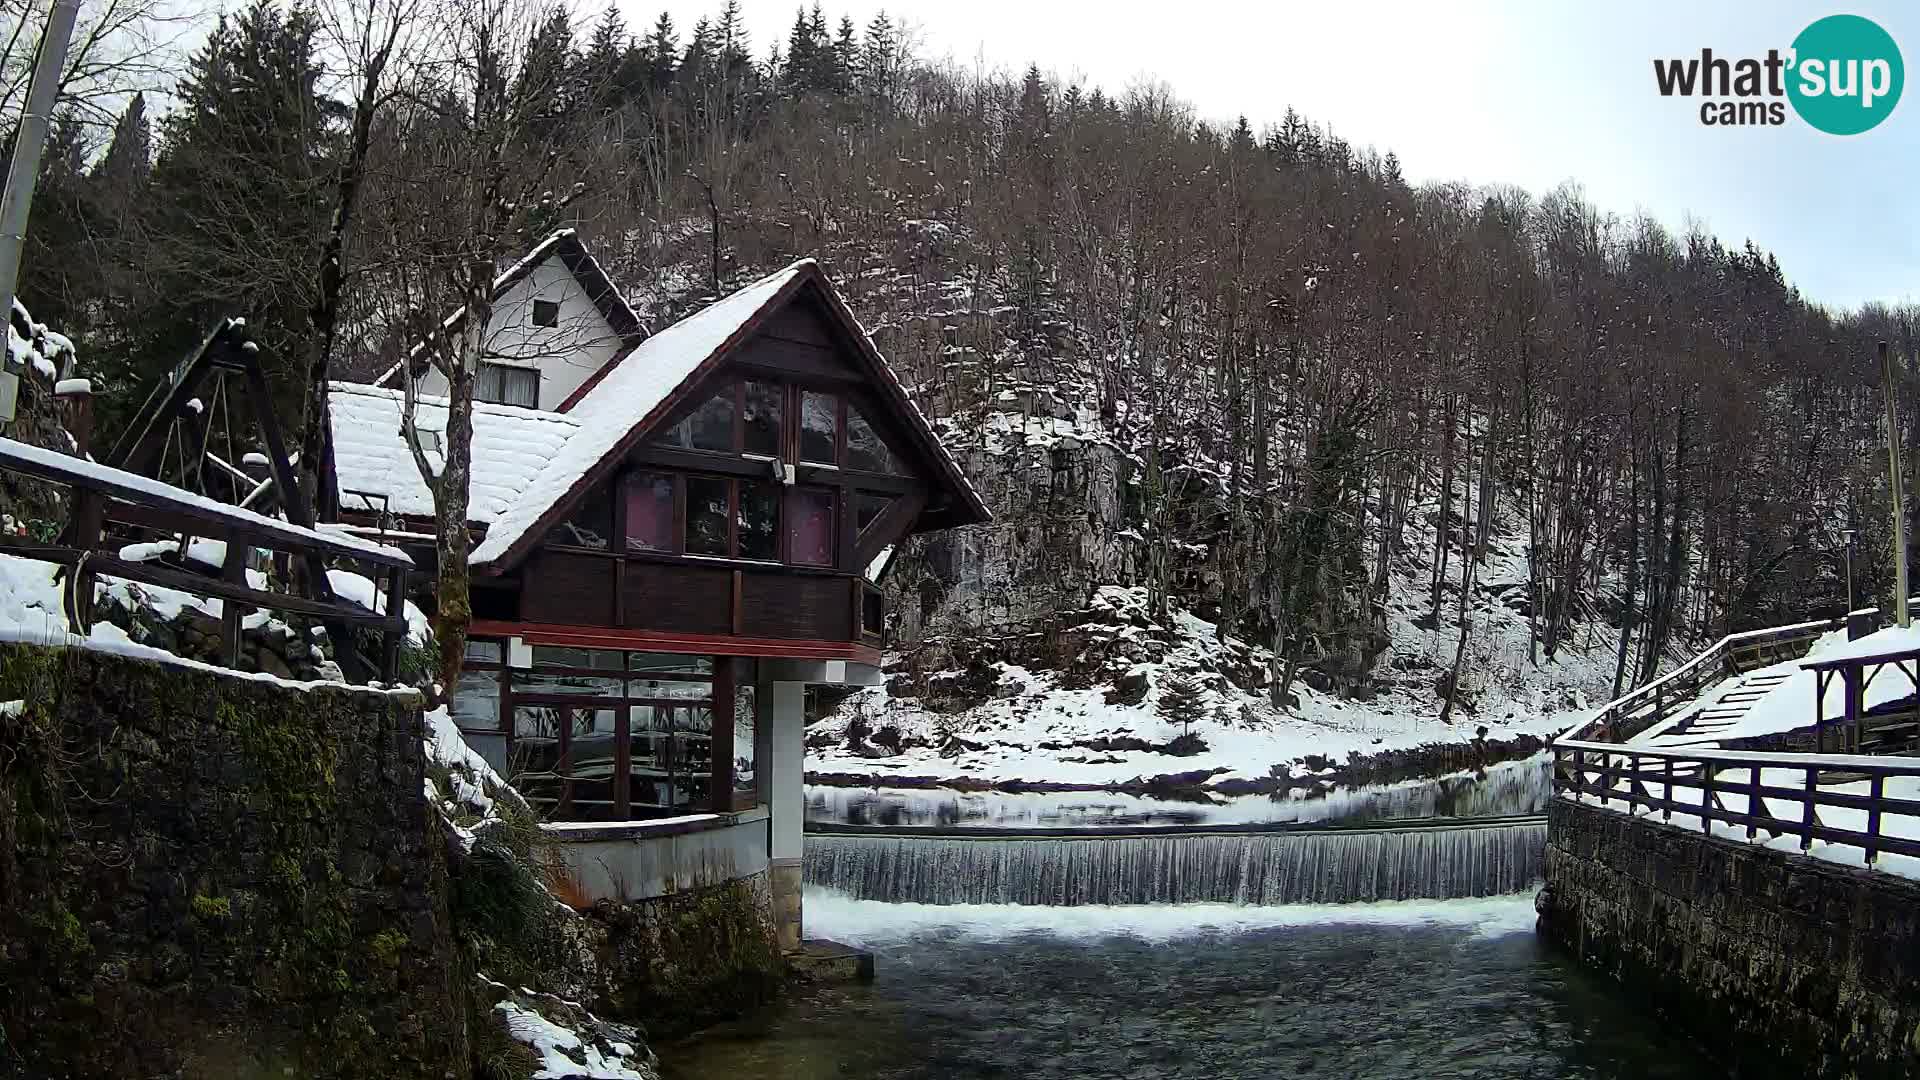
x=1331, y=866
x=1433, y=991
x=1514, y=787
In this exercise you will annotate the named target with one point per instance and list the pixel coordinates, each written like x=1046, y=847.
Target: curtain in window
x=810, y=527
x=503, y=385
x=650, y=512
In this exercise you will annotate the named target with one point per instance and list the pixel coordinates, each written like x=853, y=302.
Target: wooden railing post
x=233, y=569
x=1806, y=820
x=89, y=518
x=1579, y=774
x=1666, y=812
x=396, y=608
x=1874, y=795
x=1707, y=771
x=1753, y=801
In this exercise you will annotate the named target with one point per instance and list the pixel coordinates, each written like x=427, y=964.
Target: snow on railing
x=1620, y=719
x=1836, y=799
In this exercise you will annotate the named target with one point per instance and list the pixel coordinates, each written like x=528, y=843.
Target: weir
x=1405, y=861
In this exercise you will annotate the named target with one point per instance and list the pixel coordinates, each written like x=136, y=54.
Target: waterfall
x=1321, y=867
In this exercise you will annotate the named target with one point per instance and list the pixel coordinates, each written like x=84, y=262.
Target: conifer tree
x=236, y=213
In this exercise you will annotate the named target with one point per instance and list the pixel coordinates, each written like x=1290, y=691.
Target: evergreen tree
x=1180, y=702
x=235, y=214
x=846, y=58
x=879, y=58
x=58, y=278
x=120, y=179
x=603, y=64
x=662, y=54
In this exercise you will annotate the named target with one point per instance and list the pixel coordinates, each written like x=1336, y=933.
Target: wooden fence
x=1648, y=778
x=1635, y=712
x=103, y=496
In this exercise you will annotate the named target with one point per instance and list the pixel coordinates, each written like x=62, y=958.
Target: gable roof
x=622, y=402
x=510, y=447
x=564, y=244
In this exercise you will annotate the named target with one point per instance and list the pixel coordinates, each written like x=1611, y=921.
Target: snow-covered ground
x=1027, y=731
x=1780, y=697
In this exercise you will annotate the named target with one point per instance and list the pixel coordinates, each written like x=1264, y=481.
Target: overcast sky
x=1527, y=93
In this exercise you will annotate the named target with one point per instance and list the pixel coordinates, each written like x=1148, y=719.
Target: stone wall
x=1782, y=964
x=669, y=964
x=209, y=876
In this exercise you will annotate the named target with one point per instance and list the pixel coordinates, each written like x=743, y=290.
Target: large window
x=605, y=734
x=753, y=417
x=503, y=384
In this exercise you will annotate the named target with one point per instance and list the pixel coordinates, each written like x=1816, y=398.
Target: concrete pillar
x=784, y=722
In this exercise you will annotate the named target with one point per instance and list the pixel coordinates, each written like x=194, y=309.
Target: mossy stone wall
x=209, y=876
x=1780, y=964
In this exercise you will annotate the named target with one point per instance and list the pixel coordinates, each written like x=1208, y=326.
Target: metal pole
x=1899, y=499
x=28, y=142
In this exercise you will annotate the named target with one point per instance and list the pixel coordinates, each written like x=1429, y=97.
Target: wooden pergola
x=1855, y=673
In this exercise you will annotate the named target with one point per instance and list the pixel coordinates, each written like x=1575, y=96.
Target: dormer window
x=546, y=313
x=501, y=384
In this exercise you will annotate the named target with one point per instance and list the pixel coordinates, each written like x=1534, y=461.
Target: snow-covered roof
x=510, y=446
x=529, y=463
x=625, y=395
x=565, y=245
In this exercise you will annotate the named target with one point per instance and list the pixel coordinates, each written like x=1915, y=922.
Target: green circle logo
x=1846, y=74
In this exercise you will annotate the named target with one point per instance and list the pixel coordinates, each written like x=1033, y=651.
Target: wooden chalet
x=669, y=546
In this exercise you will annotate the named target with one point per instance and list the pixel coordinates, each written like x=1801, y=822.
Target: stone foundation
x=679, y=962
x=1782, y=964
x=204, y=876
x=784, y=877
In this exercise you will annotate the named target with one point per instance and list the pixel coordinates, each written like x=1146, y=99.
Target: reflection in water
x=1515, y=787
x=1226, y=996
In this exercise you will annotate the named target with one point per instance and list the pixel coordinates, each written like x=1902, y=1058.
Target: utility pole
x=24, y=172
x=1899, y=496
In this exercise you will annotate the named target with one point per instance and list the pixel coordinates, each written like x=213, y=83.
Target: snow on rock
x=1013, y=724
x=563, y=1051
x=66, y=387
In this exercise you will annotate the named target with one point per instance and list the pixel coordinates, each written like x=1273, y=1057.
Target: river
x=1425, y=989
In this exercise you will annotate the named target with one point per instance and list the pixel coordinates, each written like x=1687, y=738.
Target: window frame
x=541, y=306
x=721, y=679
x=505, y=370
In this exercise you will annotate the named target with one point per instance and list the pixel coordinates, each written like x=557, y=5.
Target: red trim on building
x=595, y=637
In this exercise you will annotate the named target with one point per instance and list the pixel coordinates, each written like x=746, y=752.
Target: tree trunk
x=324, y=317
x=453, y=610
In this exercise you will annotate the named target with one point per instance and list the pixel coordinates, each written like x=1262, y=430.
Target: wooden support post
x=623, y=761
x=1874, y=796
x=1666, y=812
x=1754, y=807
x=720, y=793
x=89, y=517
x=1806, y=821
x=233, y=569
x=396, y=608
x=1707, y=769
